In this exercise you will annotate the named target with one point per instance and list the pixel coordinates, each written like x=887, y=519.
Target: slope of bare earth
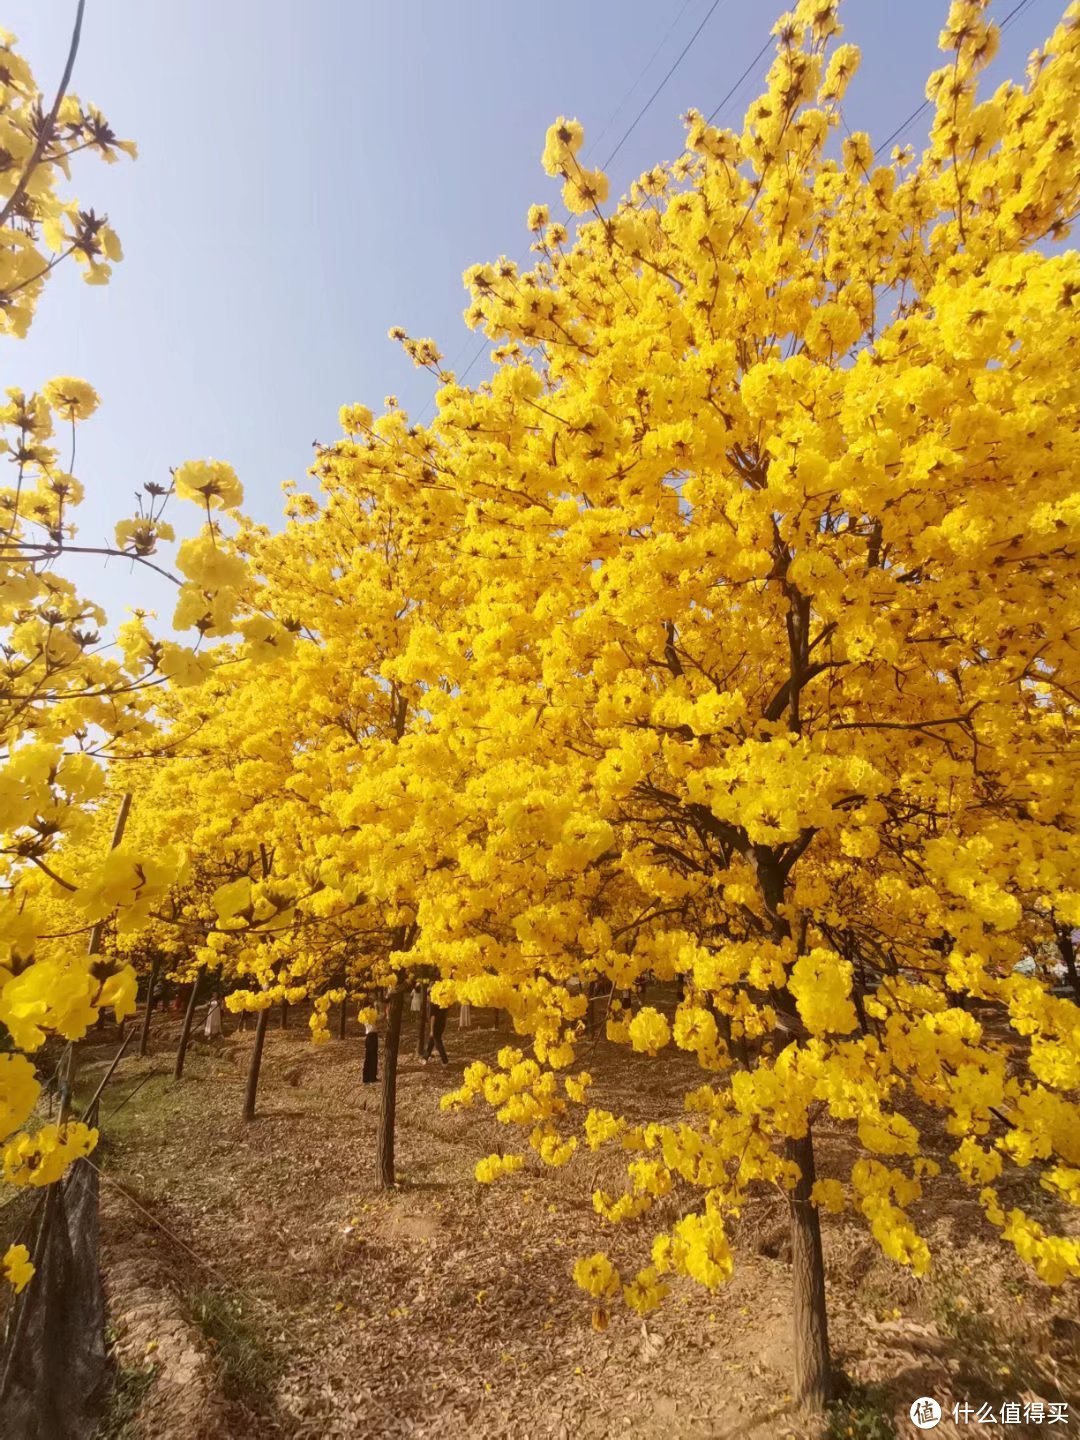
x=295, y=1300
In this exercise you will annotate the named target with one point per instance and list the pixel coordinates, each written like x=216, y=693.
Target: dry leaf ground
x=320, y=1307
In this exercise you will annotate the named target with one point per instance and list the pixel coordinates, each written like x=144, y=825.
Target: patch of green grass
x=124, y=1401
x=958, y=1317
x=135, y=1103
x=862, y=1412
x=998, y=1361
x=249, y=1366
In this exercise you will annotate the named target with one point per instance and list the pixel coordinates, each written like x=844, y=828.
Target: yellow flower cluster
x=597, y=1276
x=646, y=1292
x=212, y=483
x=821, y=984
x=697, y=1246
x=496, y=1167
x=42, y=1158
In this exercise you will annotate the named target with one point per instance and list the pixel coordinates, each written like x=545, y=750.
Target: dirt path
x=153, y=1334
x=327, y=1309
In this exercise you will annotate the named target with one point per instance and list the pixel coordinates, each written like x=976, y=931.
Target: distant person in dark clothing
x=438, y=1025
x=371, y=1055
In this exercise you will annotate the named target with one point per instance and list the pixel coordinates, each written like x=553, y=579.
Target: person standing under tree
x=438, y=1025
x=212, y=1028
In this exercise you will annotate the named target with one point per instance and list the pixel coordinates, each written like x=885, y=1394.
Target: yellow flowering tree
x=766, y=670
x=55, y=689
x=304, y=781
x=69, y=704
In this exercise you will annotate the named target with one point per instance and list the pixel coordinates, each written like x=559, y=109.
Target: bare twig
x=47, y=126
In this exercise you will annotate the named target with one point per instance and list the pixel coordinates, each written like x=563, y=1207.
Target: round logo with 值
x=925, y=1413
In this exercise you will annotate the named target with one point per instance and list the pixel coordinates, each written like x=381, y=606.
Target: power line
x=925, y=105
x=630, y=129
x=644, y=71
x=1013, y=13
x=902, y=127
x=641, y=113
x=678, y=61
x=483, y=346
x=742, y=77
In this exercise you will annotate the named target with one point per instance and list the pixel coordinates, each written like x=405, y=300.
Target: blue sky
x=313, y=173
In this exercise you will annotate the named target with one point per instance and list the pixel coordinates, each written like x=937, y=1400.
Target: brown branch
x=779, y=702
x=52, y=874
x=902, y=724
x=46, y=129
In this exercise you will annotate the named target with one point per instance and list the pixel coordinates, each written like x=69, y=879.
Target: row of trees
x=727, y=635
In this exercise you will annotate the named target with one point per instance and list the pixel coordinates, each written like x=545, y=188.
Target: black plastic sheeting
x=57, y=1374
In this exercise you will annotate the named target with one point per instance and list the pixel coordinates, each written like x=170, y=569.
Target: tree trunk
x=422, y=1025
x=388, y=1101
x=256, y=1062
x=858, y=994
x=144, y=1036
x=1068, y=955
x=284, y=1014
x=185, y=1033
x=723, y=1024
x=342, y=1018
x=813, y=1381
x=742, y=1049
x=813, y=1377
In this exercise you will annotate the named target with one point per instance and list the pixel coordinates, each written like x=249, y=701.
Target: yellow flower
x=596, y=1275
x=584, y=190
x=71, y=399
x=561, y=144
x=266, y=639
x=649, y=1030
x=41, y=1158
x=645, y=1292
x=233, y=899
x=209, y=482
x=828, y=1195
x=821, y=984
x=19, y=1091
x=355, y=418
x=141, y=536
x=182, y=666
x=118, y=993
x=17, y=1267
